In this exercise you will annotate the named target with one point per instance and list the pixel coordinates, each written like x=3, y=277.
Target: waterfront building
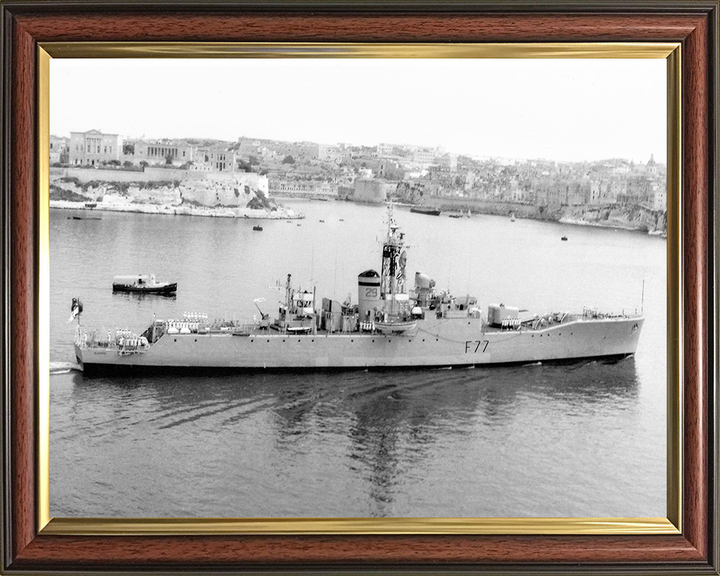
x=651, y=167
x=515, y=192
x=638, y=190
x=298, y=150
x=329, y=153
x=609, y=190
x=200, y=167
x=59, y=149
x=389, y=169
x=220, y=159
x=540, y=191
x=470, y=179
x=386, y=149
x=424, y=156
x=659, y=199
x=251, y=146
x=93, y=148
x=558, y=193
x=159, y=151
x=447, y=160
x=594, y=192
x=580, y=192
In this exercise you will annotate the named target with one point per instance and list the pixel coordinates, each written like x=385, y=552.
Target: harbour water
x=585, y=439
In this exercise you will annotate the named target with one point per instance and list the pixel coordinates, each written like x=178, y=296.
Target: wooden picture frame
x=31, y=546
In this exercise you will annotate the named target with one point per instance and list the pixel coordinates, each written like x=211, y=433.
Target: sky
x=569, y=110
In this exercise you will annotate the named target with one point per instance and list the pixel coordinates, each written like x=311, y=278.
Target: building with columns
x=92, y=148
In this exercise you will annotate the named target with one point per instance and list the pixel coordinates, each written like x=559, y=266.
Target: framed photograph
x=360, y=288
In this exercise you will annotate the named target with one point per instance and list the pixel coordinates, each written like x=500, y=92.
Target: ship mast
x=288, y=298
x=392, y=277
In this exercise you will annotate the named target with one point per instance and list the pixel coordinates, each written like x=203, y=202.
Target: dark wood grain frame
x=26, y=550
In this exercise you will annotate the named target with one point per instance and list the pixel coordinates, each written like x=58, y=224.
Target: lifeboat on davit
x=399, y=327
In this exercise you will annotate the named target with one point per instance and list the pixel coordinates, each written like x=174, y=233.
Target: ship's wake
x=64, y=367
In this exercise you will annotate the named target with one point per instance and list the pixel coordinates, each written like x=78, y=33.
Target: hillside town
x=266, y=170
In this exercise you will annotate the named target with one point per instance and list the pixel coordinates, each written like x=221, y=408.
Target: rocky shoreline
x=282, y=213
x=613, y=225
x=622, y=217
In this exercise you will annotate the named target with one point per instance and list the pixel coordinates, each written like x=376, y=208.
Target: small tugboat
x=258, y=228
x=143, y=283
x=425, y=210
x=564, y=238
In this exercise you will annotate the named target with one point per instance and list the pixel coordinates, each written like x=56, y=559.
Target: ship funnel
x=368, y=293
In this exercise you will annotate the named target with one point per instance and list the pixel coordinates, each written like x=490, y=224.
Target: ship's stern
x=79, y=355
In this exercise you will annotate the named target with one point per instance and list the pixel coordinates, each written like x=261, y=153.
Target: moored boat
x=425, y=210
x=142, y=283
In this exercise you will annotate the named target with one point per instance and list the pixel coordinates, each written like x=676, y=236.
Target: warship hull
x=462, y=342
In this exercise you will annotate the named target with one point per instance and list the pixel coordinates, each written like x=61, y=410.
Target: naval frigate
x=391, y=326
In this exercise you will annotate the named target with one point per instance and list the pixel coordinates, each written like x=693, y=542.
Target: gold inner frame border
x=669, y=51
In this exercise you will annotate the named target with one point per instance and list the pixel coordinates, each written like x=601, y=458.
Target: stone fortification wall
x=90, y=175
x=153, y=174
x=371, y=191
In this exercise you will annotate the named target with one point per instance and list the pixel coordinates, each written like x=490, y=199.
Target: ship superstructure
x=390, y=326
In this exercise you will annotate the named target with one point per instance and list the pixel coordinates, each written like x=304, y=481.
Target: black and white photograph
x=358, y=288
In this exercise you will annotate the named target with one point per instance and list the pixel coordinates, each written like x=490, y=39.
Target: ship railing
x=234, y=326
x=594, y=314
x=511, y=324
x=91, y=339
x=588, y=314
x=551, y=319
x=244, y=328
x=123, y=341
